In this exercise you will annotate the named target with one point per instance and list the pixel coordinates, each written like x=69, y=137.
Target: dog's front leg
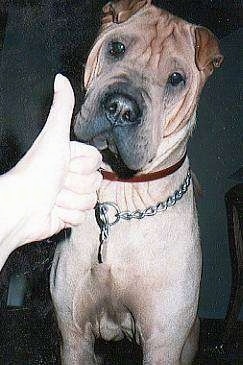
x=77, y=349
x=77, y=346
x=165, y=333
x=164, y=348
x=157, y=351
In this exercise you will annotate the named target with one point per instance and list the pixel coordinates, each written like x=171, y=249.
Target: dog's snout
x=121, y=109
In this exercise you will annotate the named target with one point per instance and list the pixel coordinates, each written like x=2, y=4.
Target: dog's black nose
x=121, y=109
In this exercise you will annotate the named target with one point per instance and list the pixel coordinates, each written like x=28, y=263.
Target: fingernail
x=59, y=82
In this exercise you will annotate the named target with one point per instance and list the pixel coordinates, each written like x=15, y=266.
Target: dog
x=133, y=267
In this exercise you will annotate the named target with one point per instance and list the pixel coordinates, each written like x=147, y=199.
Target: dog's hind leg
x=191, y=346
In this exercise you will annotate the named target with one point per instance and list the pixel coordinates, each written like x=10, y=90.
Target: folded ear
x=92, y=66
x=208, y=55
x=118, y=11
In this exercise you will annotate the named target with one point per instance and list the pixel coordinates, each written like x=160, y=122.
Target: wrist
x=9, y=241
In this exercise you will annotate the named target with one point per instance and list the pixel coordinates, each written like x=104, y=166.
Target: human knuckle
x=94, y=151
x=79, y=217
x=96, y=177
x=99, y=178
x=92, y=199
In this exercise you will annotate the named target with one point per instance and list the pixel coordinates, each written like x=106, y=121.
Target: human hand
x=54, y=183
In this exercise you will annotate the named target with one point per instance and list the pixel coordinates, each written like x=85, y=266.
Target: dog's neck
x=171, y=148
x=132, y=196
x=145, y=177
x=140, y=195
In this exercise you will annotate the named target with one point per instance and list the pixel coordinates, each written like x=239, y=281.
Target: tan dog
x=143, y=80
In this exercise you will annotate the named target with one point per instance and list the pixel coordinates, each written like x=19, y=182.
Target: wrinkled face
x=142, y=87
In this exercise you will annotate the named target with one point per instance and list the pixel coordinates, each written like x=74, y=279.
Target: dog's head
x=143, y=78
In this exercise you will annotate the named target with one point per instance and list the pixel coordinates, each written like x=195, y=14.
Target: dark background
x=40, y=38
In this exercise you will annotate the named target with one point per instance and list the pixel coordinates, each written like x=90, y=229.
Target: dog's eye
x=176, y=78
x=117, y=49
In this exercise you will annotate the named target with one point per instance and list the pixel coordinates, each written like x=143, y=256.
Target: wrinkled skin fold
x=143, y=79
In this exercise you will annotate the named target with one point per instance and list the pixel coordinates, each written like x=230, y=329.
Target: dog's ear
x=121, y=10
x=208, y=55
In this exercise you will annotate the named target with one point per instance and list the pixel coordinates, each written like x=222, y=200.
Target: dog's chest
x=136, y=256
x=112, y=319
x=128, y=241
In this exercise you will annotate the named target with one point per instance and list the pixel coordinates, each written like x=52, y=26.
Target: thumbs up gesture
x=54, y=183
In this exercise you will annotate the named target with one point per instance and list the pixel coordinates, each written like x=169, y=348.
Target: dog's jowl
x=133, y=267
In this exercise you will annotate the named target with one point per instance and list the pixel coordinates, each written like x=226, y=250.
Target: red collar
x=145, y=177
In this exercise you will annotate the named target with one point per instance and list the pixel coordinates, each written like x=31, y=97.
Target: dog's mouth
x=115, y=122
x=111, y=156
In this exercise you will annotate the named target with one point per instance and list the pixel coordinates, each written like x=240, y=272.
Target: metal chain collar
x=103, y=210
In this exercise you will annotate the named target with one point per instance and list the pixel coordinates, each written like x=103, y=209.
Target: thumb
x=60, y=115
